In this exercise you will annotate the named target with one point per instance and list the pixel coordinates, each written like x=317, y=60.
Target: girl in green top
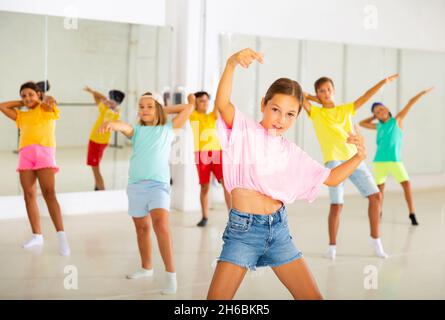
x=387, y=159
x=149, y=176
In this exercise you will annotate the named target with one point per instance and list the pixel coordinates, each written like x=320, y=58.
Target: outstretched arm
x=98, y=97
x=368, y=94
x=122, y=127
x=402, y=114
x=343, y=171
x=368, y=123
x=222, y=101
x=8, y=108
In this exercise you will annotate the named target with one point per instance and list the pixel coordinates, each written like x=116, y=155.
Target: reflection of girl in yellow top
x=37, y=157
x=108, y=111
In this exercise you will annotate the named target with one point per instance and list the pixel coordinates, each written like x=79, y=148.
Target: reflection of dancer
x=208, y=157
x=108, y=111
x=37, y=158
x=387, y=160
x=332, y=124
x=263, y=171
x=149, y=177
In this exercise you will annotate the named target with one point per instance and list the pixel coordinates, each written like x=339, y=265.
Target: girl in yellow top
x=108, y=111
x=37, y=158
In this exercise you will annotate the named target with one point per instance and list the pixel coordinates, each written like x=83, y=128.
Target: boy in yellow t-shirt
x=208, y=155
x=108, y=111
x=333, y=124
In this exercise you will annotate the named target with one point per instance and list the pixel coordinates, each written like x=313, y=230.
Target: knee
x=205, y=188
x=161, y=228
x=376, y=197
x=49, y=193
x=29, y=195
x=142, y=229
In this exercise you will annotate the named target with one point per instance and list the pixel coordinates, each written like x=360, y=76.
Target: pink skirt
x=35, y=157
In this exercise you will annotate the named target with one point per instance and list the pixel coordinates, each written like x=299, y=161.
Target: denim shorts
x=361, y=178
x=258, y=240
x=146, y=195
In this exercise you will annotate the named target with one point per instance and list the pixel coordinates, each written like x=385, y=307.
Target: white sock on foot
x=376, y=244
x=331, y=253
x=142, y=273
x=64, y=248
x=36, y=240
x=170, y=285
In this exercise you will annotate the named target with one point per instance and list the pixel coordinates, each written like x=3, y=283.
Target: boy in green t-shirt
x=332, y=124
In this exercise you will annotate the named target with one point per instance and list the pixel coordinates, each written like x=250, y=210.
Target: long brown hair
x=161, y=116
x=285, y=86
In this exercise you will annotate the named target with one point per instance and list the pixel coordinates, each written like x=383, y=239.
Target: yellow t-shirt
x=204, y=131
x=331, y=127
x=37, y=126
x=105, y=114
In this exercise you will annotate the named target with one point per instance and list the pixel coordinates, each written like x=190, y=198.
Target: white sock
x=170, y=285
x=376, y=244
x=142, y=273
x=36, y=240
x=64, y=248
x=332, y=251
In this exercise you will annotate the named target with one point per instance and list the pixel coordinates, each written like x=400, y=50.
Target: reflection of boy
x=108, y=111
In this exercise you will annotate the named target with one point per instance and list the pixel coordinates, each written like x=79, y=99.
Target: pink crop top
x=272, y=165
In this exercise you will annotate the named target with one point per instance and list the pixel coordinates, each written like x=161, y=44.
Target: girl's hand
x=245, y=57
x=106, y=127
x=88, y=89
x=358, y=140
x=391, y=78
x=428, y=90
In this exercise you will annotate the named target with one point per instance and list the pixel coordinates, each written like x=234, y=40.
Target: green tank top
x=389, y=141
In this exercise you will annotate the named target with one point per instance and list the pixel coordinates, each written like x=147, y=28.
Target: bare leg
x=47, y=183
x=28, y=180
x=406, y=185
x=204, y=197
x=374, y=213
x=226, y=281
x=334, y=222
x=98, y=180
x=298, y=280
x=143, y=226
x=382, y=191
x=160, y=219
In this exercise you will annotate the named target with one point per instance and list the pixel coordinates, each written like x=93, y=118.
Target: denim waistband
x=271, y=218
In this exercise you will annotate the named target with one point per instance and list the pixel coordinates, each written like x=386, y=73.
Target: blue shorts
x=146, y=195
x=258, y=240
x=361, y=178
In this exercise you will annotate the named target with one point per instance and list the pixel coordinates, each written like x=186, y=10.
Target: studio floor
x=104, y=250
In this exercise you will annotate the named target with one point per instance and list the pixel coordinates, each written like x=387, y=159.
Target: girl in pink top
x=263, y=171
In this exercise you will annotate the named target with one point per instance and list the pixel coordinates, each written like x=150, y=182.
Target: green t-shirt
x=389, y=141
x=151, y=153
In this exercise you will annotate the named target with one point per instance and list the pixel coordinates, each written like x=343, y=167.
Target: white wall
x=150, y=12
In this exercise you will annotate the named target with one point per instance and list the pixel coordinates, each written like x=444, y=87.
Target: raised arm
x=185, y=112
x=368, y=123
x=368, y=94
x=306, y=104
x=402, y=114
x=8, y=108
x=343, y=171
x=222, y=101
x=98, y=97
x=117, y=125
